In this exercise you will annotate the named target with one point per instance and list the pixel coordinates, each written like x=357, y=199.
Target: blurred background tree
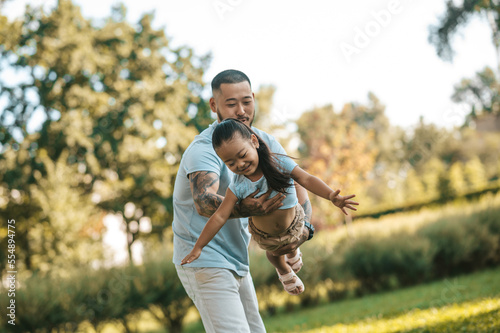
x=456, y=16
x=97, y=115
x=337, y=150
x=105, y=101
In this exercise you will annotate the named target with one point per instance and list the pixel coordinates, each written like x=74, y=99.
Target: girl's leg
x=294, y=260
x=291, y=254
x=291, y=282
x=278, y=262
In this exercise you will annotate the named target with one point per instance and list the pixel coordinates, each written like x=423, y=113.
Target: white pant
x=226, y=301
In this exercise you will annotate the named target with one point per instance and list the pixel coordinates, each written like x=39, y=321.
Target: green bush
x=381, y=263
x=461, y=245
x=98, y=297
x=370, y=257
x=490, y=218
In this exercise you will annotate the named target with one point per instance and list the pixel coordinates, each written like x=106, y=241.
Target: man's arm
x=303, y=198
x=204, y=187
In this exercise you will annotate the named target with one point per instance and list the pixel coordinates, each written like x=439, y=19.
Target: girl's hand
x=192, y=256
x=342, y=202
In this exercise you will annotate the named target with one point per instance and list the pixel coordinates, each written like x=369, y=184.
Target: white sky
x=297, y=47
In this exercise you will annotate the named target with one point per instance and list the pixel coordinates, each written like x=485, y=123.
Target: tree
x=451, y=182
x=457, y=16
x=109, y=98
x=69, y=228
x=337, y=150
x=481, y=94
x=264, y=119
x=414, y=188
x=371, y=117
x=475, y=175
x=430, y=174
x=457, y=179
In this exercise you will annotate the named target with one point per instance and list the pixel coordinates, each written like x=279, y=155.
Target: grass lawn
x=469, y=303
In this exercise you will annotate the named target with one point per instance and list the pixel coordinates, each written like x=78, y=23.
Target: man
x=219, y=282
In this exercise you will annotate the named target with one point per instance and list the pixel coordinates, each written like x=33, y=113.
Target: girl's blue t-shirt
x=242, y=187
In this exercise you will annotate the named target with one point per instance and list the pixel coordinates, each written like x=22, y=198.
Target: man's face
x=234, y=100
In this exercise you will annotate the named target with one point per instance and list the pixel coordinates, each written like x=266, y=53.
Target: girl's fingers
x=336, y=193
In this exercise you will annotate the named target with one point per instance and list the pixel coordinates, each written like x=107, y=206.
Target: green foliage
x=337, y=150
x=464, y=243
x=98, y=297
x=451, y=246
x=114, y=103
x=458, y=15
x=414, y=187
x=475, y=174
x=378, y=263
x=480, y=93
x=372, y=256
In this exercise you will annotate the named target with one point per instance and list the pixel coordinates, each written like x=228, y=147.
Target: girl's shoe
x=295, y=262
x=291, y=282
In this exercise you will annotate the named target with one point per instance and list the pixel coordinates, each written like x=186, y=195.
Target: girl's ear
x=255, y=141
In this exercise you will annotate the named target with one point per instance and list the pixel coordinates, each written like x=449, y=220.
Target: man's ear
x=255, y=141
x=212, y=104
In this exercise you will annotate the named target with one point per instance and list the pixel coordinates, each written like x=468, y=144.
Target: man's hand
x=251, y=206
x=192, y=256
x=342, y=202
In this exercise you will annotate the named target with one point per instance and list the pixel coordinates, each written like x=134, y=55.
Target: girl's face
x=240, y=155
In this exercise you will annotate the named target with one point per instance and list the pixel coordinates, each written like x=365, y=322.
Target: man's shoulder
x=202, y=141
x=200, y=156
x=264, y=135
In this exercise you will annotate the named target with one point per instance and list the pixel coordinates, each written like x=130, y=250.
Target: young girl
x=256, y=167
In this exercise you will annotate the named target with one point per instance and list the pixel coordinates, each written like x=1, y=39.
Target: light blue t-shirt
x=242, y=187
x=229, y=248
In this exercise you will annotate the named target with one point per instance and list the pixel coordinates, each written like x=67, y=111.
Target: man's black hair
x=229, y=76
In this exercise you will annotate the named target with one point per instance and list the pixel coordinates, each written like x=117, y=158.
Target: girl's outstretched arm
x=214, y=224
x=318, y=187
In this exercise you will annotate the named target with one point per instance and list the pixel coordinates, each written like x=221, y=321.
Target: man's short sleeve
x=202, y=157
x=285, y=162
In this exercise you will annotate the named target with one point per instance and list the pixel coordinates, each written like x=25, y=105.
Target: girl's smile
x=240, y=156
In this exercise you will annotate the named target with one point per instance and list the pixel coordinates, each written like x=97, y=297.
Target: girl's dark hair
x=276, y=178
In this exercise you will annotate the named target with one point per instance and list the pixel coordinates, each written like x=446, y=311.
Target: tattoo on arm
x=207, y=201
x=307, y=210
